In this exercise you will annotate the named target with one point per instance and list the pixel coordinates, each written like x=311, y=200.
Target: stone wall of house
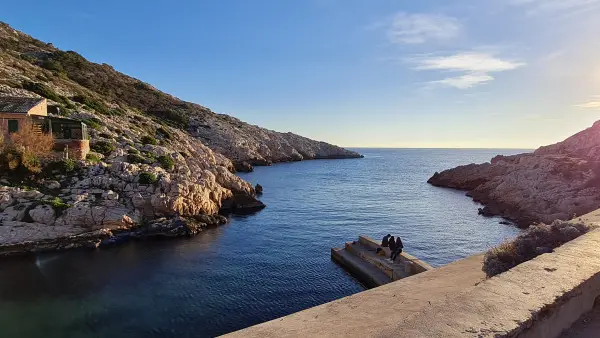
x=39, y=110
x=4, y=117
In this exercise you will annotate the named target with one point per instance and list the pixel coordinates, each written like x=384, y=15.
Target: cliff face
x=559, y=181
x=239, y=141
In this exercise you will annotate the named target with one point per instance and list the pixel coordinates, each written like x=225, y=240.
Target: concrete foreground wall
x=539, y=298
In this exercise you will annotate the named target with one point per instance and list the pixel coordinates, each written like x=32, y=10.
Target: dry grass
x=536, y=240
x=26, y=149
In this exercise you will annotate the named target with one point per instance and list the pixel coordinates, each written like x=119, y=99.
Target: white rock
x=53, y=185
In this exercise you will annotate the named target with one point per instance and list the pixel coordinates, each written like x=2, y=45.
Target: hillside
x=160, y=167
x=558, y=181
x=26, y=63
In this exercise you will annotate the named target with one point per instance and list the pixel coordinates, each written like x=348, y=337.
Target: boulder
x=53, y=185
x=242, y=204
x=43, y=214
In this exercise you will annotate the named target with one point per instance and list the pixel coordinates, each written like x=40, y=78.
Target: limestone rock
x=53, y=185
x=43, y=214
x=554, y=182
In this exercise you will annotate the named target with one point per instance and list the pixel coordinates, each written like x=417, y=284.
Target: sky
x=357, y=73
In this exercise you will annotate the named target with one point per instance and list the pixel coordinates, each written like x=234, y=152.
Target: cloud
x=409, y=28
x=540, y=7
x=468, y=62
x=464, y=81
x=475, y=66
x=591, y=105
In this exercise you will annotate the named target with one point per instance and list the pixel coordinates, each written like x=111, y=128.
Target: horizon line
x=465, y=148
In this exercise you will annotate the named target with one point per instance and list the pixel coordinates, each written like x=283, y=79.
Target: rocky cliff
x=159, y=167
x=558, y=181
x=105, y=90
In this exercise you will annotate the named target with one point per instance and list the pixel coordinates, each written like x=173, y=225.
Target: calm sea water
x=255, y=268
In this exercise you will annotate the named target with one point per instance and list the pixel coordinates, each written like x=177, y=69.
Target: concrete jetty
x=360, y=259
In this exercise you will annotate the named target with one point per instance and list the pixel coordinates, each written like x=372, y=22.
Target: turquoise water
x=258, y=267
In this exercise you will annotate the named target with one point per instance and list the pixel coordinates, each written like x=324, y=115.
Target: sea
x=257, y=267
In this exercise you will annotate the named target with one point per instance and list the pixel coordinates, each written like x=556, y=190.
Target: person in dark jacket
x=392, y=245
x=399, y=246
x=386, y=240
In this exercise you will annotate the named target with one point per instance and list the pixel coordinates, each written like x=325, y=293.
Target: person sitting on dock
x=399, y=246
x=386, y=240
x=392, y=245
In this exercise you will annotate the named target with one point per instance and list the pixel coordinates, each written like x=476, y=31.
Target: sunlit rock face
x=558, y=181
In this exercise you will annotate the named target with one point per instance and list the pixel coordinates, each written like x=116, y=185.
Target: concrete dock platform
x=361, y=260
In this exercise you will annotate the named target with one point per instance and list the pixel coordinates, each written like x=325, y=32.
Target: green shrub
x=149, y=140
x=135, y=158
x=28, y=58
x=164, y=133
x=166, y=162
x=93, y=158
x=68, y=166
x=43, y=90
x=103, y=147
x=133, y=151
x=173, y=117
x=53, y=66
x=92, y=103
x=538, y=239
x=70, y=105
x=147, y=178
x=93, y=123
x=104, y=135
x=58, y=205
x=149, y=157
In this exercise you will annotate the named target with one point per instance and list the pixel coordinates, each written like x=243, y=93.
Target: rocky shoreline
x=556, y=182
x=248, y=165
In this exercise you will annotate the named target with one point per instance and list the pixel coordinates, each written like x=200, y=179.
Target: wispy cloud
x=594, y=104
x=464, y=81
x=407, y=28
x=540, y=7
x=475, y=66
x=466, y=61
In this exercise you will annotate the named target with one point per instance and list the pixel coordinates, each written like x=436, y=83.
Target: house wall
x=41, y=109
x=4, y=121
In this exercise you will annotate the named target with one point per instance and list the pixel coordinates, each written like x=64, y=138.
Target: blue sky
x=386, y=73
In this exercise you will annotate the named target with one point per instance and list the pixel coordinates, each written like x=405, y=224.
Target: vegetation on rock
x=103, y=147
x=149, y=140
x=147, y=178
x=538, y=239
x=166, y=162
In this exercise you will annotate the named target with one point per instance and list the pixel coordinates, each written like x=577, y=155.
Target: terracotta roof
x=11, y=104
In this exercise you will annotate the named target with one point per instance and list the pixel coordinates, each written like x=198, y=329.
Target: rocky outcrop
x=247, y=145
x=554, y=182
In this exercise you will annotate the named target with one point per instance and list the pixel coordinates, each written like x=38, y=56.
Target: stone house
x=68, y=134
x=15, y=111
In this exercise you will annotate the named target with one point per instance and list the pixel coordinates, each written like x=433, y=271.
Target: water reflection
x=83, y=272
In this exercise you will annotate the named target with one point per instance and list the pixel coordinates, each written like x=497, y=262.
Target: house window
x=13, y=126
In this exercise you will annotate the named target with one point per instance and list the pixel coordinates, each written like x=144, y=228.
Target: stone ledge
x=371, y=312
